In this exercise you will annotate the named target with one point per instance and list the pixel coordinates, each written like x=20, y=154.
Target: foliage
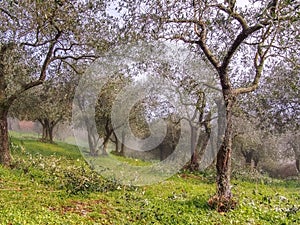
x=49, y=104
x=275, y=104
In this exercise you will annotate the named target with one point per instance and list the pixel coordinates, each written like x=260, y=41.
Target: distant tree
x=101, y=132
x=293, y=146
x=248, y=139
x=106, y=99
x=49, y=104
x=83, y=121
x=276, y=109
x=138, y=123
x=276, y=104
x=168, y=145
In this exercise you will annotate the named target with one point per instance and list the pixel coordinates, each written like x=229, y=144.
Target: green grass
x=43, y=188
x=58, y=148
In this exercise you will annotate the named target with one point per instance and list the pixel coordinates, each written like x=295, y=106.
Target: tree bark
x=256, y=160
x=108, y=132
x=5, y=157
x=50, y=133
x=194, y=164
x=203, y=143
x=44, y=124
x=224, y=155
x=255, y=163
x=116, y=141
x=223, y=200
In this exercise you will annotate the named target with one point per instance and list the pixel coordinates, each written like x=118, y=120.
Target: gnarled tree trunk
x=224, y=157
x=223, y=199
x=5, y=157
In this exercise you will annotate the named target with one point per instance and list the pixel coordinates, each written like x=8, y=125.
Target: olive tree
x=49, y=103
x=106, y=99
x=37, y=37
x=248, y=140
x=292, y=147
x=238, y=42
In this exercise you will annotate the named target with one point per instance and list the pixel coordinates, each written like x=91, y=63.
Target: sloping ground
x=53, y=185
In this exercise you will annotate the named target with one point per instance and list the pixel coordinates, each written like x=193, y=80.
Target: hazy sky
x=242, y=2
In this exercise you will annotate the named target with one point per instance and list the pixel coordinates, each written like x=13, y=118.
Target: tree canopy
x=39, y=37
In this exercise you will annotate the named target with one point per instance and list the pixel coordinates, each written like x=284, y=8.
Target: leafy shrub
x=250, y=175
x=283, y=171
x=82, y=180
x=63, y=173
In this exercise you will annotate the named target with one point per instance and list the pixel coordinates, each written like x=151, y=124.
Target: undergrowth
x=50, y=188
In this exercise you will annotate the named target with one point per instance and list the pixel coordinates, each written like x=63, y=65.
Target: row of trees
x=44, y=40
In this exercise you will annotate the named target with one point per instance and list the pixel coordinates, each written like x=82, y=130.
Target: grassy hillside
x=51, y=184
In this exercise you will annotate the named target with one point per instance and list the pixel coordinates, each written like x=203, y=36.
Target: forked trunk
x=5, y=158
x=48, y=127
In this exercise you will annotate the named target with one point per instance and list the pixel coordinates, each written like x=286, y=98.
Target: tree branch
x=91, y=57
x=42, y=76
x=235, y=15
x=259, y=60
x=48, y=56
x=9, y=15
x=202, y=35
x=202, y=43
x=238, y=41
